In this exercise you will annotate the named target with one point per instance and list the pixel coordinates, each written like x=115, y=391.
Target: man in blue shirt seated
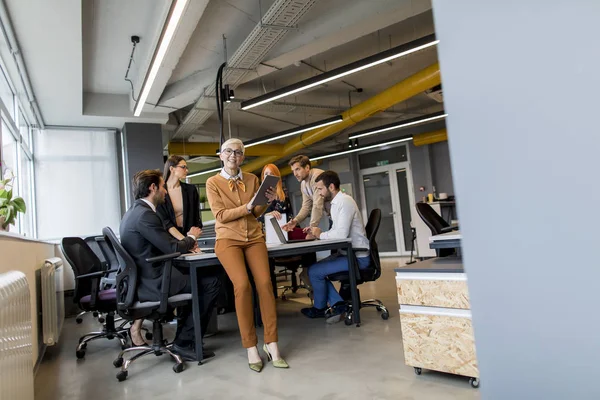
x=347, y=223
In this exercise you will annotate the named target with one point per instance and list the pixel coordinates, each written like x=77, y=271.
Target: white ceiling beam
x=185, y=29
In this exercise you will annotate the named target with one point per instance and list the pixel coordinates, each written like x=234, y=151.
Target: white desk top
x=310, y=243
x=270, y=246
x=454, y=235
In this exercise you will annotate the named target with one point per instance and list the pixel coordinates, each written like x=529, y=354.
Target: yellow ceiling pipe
x=411, y=86
x=430, y=137
x=210, y=149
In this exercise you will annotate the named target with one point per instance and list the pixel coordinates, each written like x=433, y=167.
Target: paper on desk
x=270, y=235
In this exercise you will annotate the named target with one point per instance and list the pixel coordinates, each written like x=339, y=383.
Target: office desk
x=196, y=262
x=449, y=240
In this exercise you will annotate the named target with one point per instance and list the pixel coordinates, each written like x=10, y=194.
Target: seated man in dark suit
x=144, y=236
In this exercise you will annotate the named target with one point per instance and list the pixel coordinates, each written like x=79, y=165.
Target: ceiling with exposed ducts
x=78, y=57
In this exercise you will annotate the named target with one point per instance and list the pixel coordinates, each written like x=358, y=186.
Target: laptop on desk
x=281, y=236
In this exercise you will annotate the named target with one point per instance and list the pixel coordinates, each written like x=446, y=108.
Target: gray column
x=143, y=149
x=521, y=86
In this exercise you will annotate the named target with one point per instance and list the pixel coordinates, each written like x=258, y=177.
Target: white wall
x=521, y=86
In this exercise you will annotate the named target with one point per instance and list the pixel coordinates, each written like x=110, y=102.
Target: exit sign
x=383, y=162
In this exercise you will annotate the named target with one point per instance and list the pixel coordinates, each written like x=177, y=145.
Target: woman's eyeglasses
x=183, y=167
x=238, y=153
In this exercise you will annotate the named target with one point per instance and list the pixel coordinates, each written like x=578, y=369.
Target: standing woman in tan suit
x=240, y=241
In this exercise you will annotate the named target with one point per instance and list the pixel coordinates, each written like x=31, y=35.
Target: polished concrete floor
x=326, y=362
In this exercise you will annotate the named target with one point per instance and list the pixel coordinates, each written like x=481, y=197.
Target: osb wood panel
x=447, y=294
x=439, y=343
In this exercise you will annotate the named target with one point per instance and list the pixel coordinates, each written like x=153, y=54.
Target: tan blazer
x=312, y=202
x=232, y=219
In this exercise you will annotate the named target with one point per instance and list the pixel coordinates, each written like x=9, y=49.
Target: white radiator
x=53, y=300
x=16, y=358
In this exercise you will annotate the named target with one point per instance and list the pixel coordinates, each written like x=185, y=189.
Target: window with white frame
x=77, y=185
x=16, y=158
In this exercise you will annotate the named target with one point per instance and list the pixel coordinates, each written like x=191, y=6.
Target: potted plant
x=9, y=205
x=203, y=200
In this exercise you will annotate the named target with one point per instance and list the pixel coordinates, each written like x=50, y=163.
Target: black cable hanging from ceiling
x=220, y=103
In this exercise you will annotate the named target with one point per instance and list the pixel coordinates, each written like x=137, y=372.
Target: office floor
x=327, y=362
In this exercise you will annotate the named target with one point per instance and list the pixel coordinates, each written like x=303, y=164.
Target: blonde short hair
x=232, y=141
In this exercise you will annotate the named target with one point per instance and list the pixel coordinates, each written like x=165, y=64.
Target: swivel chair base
x=158, y=348
x=109, y=331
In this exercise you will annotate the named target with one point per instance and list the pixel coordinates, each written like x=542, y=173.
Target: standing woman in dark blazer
x=179, y=213
x=181, y=210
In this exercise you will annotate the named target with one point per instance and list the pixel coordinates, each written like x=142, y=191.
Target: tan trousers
x=233, y=255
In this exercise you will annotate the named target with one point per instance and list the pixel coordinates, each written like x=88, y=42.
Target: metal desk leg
x=196, y=305
x=353, y=288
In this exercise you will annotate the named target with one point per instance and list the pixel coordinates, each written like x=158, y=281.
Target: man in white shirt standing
x=347, y=223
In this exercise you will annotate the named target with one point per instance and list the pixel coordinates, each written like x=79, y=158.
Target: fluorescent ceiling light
x=163, y=46
x=380, y=58
x=361, y=149
x=295, y=131
x=398, y=125
x=204, y=172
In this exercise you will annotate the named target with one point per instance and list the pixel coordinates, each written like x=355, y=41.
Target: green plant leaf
x=10, y=214
x=3, y=194
x=19, y=204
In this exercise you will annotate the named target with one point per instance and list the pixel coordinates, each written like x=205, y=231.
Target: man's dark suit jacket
x=143, y=235
x=191, y=209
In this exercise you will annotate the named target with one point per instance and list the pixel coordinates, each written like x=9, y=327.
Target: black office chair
x=369, y=274
x=436, y=224
x=291, y=265
x=106, y=282
x=107, y=255
x=158, y=312
x=88, y=271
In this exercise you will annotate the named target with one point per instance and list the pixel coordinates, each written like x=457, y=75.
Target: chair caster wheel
x=283, y=297
x=79, y=320
x=348, y=320
x=101, y=320
x=80, y=354
x=474, y=382
x=118, y=362
x=95, y=314
x=385, y=315
x=418, y=371
x=177, y=368
x=148, y=336
x=122, y=375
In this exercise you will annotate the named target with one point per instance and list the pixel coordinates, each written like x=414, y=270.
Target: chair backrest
x=91, y=242
x=126, y=276
x=431, y=218
x=103, y=250
x=83, y=261
x=371, y=230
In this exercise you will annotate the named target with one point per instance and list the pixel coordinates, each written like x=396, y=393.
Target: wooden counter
x=435, y=317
